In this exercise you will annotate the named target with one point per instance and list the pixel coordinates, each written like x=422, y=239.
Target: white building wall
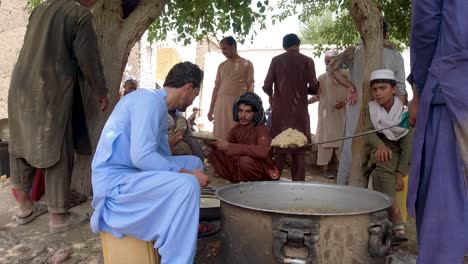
x=147, y=76
x=13, y=21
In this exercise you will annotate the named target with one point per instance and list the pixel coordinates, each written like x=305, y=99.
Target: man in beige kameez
x=331, y=117
x=59, y=61
x=235, y=76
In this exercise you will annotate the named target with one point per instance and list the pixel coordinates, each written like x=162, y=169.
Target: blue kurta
x=437, y=185
x=138, y=190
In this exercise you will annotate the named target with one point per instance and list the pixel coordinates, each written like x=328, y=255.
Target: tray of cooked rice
x=289, y=138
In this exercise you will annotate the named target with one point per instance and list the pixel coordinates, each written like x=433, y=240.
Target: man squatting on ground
x=245, y=154
x=387, y=152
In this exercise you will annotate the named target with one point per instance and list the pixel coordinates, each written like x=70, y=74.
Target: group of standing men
x=291, y=77
x=143, y=191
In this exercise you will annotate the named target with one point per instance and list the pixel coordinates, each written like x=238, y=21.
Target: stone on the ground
x=60, y=256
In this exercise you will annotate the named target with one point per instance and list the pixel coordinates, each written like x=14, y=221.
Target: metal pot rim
x=220, y=191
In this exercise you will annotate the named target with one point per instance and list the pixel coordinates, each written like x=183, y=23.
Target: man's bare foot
x=25, y=215
x=65, y=221
x=24, y=209
x=58, y=219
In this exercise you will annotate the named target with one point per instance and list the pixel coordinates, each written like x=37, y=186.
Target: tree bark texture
x=116, y=37
x=369, y=24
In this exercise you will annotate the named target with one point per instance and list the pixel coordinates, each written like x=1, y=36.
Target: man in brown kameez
x=293, y=76
x=235, y=76
x=45, y=108
x=245, y=154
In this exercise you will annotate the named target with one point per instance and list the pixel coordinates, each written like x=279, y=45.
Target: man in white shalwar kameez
x=140, y=190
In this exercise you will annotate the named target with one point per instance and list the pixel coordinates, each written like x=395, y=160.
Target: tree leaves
x=328, y=23
x=32, y=4
x=196, y=19
x=199, y=18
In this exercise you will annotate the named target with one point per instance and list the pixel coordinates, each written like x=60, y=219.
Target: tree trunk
x=116, y=37
x=369, y=24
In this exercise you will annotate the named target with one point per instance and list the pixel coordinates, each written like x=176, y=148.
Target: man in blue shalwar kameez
x=139, y=189
x=439, y=167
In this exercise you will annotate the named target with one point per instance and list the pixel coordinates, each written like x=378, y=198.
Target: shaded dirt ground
x=33, y=243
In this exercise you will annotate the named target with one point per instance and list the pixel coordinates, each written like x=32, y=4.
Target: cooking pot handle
x=297, y=233
x=379, y=234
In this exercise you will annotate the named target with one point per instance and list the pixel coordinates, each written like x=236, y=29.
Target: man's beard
x=182, y=108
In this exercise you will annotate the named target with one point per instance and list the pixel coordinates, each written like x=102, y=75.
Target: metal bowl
x=209, y=207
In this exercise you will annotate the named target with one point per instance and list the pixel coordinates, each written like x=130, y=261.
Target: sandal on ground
x=208, y=228
x=328, y=175
x=399, y=234
x=37, y=210
x=73, y=220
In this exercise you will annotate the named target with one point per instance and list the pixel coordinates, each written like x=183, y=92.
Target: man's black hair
x=230, y=41
x=290, y=40
x=385, y=26
x=245, y=102
x=183, y=73
x=389, y=81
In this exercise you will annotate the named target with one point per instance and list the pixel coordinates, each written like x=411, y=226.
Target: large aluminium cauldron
x=301, y=222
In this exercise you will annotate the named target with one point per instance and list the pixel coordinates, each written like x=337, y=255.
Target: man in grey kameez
x=45, y=108
x=353, y=58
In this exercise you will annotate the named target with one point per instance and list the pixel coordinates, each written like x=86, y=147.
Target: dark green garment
x=401, y=147
x=59, y=56
x=383, y=175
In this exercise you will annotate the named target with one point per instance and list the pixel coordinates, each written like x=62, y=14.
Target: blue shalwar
x=437, y=193
x=138, y=189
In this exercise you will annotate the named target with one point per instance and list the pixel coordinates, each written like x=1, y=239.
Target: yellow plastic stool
x=128, y=250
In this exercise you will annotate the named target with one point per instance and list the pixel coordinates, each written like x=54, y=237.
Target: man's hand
x=351, y=94
x=313, y=99
x=383, y=154
x=201, y=177
x=210, y=116
x=340, y=104
x=103, y=102
x=400, y=184
x=176, y=138
x=413, y=111
x=221, y=144
x=413, y=107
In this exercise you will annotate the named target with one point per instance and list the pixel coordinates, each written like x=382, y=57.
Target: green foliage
x=196, y=19
x=321, y=31
x=328, y=23
x=31, y=4
x=200, y=18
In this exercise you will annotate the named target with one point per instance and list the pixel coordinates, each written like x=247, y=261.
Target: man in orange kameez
x=245, y=154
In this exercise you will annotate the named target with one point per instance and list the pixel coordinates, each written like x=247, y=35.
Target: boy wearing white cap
x=389, y=150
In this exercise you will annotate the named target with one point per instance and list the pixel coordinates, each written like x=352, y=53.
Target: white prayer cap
x=331, y=53
x=382, y=74
x=129, y=78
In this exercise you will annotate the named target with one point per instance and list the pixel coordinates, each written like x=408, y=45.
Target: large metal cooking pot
x=303, y=222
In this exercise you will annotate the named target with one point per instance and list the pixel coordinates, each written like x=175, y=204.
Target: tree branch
x=143, y=15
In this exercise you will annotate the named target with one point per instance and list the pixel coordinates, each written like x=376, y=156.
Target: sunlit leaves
x=198, y=18
x=32, y=4
x=327, y=22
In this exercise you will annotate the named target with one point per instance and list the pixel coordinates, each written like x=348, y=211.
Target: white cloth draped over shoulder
x=381, y=119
